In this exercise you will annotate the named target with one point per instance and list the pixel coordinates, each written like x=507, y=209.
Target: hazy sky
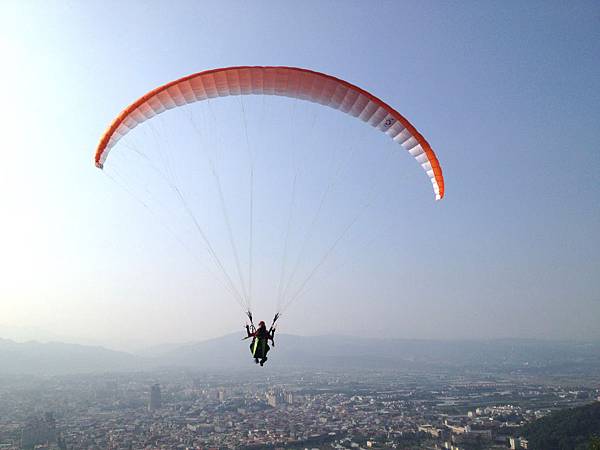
x=507, y=93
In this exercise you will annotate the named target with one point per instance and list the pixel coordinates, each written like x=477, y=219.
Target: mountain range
x=314, y=352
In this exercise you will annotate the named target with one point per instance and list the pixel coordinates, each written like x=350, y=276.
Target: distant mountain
x=298, y=351
x=569, y=429
x=156, y=351
x=354, y=352
x=315, y=352
x=58, y=358
x=28, y=334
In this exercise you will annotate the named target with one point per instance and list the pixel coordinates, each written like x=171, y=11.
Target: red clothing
x=262, y=333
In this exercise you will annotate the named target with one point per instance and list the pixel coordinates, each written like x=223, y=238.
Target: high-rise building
x=272, y=399
x=289, y=398
x=38, y=431
x=155, y=398
x=276, y=397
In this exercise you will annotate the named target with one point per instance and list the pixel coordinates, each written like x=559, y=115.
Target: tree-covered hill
x=569, y=429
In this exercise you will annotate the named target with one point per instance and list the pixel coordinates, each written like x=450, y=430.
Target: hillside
x=569, y=429
x=58, y=358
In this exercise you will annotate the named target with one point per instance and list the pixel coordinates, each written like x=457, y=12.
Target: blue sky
x=507, y=93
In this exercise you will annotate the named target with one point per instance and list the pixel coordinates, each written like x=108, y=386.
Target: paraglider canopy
x=283, y=81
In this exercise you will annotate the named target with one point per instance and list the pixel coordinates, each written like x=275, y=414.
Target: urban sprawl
x=276, y=409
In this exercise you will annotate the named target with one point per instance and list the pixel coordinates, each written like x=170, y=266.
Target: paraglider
x=259, y=347
x=295, y=83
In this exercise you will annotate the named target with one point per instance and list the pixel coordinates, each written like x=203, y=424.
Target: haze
x=508, y=94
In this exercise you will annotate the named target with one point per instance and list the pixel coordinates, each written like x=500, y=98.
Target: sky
x=507, y=93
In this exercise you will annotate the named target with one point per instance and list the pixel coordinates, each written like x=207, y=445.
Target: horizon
x=531, y=357
x=134, y=349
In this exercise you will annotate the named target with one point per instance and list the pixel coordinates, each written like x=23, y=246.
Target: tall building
x=155, y=398
x=289, y=398
x=38, y=431
x=271, y=399
x=275, y=397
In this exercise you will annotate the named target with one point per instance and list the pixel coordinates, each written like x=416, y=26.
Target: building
x=516, y=443
x=155, y=398
x=275, y=397
x=431, y=430
x=289, y=398
x=272, y=399
x=39, y=431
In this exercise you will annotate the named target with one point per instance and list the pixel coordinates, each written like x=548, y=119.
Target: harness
x=272, y=328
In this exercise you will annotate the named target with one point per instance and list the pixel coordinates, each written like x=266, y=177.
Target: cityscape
x=193, y=410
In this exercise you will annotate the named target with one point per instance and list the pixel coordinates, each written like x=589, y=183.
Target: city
x=189, y=410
